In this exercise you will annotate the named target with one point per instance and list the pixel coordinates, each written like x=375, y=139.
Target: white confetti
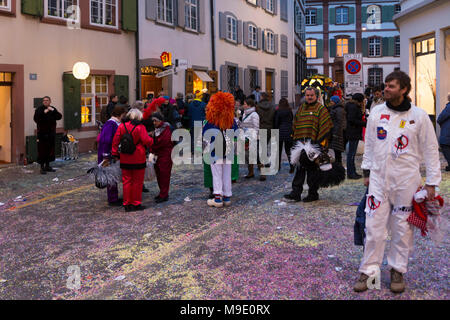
x=277, y=201
x=187, y=199
x=1, y=204
x=147, y=235
x=279, y=228
x=56, y=179
x=159, y=213
x=338, y=269
x=330, y=256
x=282, y=204
x=3, y=280
x=119, y=278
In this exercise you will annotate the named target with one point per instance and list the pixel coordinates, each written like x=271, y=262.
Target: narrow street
x=260, y=248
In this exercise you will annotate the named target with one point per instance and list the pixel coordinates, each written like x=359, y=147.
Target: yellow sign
x=166, y=58
x=402, y=124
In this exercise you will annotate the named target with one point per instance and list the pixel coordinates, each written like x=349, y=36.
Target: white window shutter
x=275, y=39
x=259, y=38
x=180, y=13
x=222, y=26
x=151, y=9
x=263, y=4
x=284, y=10
x=202, y=16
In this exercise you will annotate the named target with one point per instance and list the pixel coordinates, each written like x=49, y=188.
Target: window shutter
x=72, y=102
x=391, y=51
x=246, y=87
x=222, y=25
x=275, y=7
x=241, y=77
x=365, y=47
x=332, y=17
x=385, y=44
x=129, y=15
x=260, y=37
x=275, y=39
x=319, y=48
x=189, y=81
x=363, y=14
x=284, y=84
x=284, y=46
x=34, y=8
x=223, y=78
x=212, y=86
x=351, y=45
x=121, y=86
x=202, y=16
x=387, y=13
x=180, y=13
x=284, y=10
x=246, y=34
x=319, y=16
x=239, y=31
x=333, y=48
x=351, y=15
x=151, y=9
x=259, y=80
x=263, y=4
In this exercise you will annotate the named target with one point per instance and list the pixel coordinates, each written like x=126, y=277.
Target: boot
x=397, y=282
x=311, y=197
x=291, y=196
x=43, y=171
x=361, y=285
x=251, y=172
x=48, y=168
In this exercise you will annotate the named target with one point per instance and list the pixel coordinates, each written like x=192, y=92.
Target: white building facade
x=425, y=40
x=334, y=28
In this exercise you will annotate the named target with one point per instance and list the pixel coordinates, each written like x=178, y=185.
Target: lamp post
x=81, y=70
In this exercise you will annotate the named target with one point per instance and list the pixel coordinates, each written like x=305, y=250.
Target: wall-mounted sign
x=181, y=64
x=33, y=76
x=165, y=73
x=166, y=59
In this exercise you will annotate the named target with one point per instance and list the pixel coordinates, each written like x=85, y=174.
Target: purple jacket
x=106, y=138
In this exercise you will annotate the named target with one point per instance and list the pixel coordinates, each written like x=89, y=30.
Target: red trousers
x=163, y=169
x=133, y=181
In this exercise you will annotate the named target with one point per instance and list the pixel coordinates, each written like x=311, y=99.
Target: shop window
x=59, y=8
x=231, y=29
x=341, y=47
x=5, y=5
x=342, y=15
x=375, y=47
x=104, y=13
x=375, y=77
x=191, y=14
x=94, y=95
x=165, y=11
x=311, y=48
x=311, y=17
x=425, y=69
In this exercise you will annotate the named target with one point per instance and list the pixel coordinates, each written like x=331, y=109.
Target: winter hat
x=358, y=97
x=166, y=97
x=158, y=116
x=335, y=99
x=172, y=101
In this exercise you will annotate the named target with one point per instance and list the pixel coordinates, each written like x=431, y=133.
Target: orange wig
x=220, y=110
x=152, y=108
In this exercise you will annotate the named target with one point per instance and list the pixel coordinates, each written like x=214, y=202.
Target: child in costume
x=220, y=116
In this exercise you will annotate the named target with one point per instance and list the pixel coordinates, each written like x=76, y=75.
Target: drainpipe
x=213, y=40
x=138, y=68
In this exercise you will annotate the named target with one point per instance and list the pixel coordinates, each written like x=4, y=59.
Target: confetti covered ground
x=262, y=247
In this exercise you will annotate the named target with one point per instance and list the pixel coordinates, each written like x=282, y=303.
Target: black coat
x=167, y=111
x=46, y=133
x=355, y=121
x=338, y=117
x=283, y=121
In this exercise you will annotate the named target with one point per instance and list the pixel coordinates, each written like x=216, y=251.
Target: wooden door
x=269, y=84
x=5, y=124
x=150, y=83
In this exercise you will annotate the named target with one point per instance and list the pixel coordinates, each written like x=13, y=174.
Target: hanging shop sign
x=166, y=59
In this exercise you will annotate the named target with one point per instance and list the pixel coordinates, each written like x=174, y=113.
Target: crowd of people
x=397, y=135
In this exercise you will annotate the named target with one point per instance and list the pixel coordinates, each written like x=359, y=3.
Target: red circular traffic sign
x=353, y=66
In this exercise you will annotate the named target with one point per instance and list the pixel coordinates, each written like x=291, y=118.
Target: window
x=270, y=42
x=252, y=36
x=269, y=5
x=311, y=17
x=374, y=47
x=232, y=80
x=311, y=48
x=253, y=79
x=59, y=8
x=398, y=8
x=94, y=95
x=298, y=19
x=375, y=77
x=373, y=14
x=231, y=29
x=5, y=5
x=397, y=46
x=341, y=47
x=104, y=12
x=165, y=11
x=342, y=15
x=190, y=12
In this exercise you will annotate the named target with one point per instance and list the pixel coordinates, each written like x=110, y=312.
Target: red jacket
x=163, y=142
x=137, y=160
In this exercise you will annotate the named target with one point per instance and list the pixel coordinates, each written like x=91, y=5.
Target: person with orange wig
x=220, y=116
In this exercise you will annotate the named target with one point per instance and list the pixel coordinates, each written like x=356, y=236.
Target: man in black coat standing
x=45, y=117
x=355, y=124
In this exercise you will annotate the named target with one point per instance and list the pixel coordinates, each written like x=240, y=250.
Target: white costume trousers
x=221, y=173
x=378, y=222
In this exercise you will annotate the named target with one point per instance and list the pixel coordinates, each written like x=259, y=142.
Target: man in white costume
x=399, y=137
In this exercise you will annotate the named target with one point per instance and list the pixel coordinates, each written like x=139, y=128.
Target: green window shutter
x=333, y=48
x=129, y=15
x=332, y=16
x=351, y=45
x=72, y=102
x=319, y=16
x=363, y=14
x=31, y=147
x=121, y=86
x=385, y=45
x=365, y=47
x=319, y=48
x=387, y=13
x=391, y=46
x=33, y=7
x=351, y=15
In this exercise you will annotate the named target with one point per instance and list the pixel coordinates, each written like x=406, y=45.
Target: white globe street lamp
x=81, y=70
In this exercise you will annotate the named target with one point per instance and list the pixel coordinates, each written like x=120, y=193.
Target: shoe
x=292, y=169
x=249, y=176
x=139, y=208
x=117, y=203
x=128, y=208
x=49, y=169
x=43, y=171
x=354, y=177
x=226, y=201
x=397, y=282
x=289, y=196
x=160, y=200
x=157, y=197
x=214, y=203
x=211, y=196
x=311, y=198
x=144, y=189
x=262, y=178
x=233, y=181
x=251, y=172
x=361, y=285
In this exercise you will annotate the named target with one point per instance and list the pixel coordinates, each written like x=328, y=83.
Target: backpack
x=127, y=145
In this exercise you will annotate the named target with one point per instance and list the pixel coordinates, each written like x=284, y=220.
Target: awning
x=203, y=76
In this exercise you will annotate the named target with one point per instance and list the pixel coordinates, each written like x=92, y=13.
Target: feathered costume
x=311, y=155
x=157, y=103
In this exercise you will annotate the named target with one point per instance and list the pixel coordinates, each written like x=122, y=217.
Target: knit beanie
x=358, y=97
x=335, y=99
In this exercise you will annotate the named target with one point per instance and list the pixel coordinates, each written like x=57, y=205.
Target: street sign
x=353, y=73
x=165, y=73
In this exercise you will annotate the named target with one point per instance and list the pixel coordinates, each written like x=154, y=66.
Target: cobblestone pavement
x=260, y=248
